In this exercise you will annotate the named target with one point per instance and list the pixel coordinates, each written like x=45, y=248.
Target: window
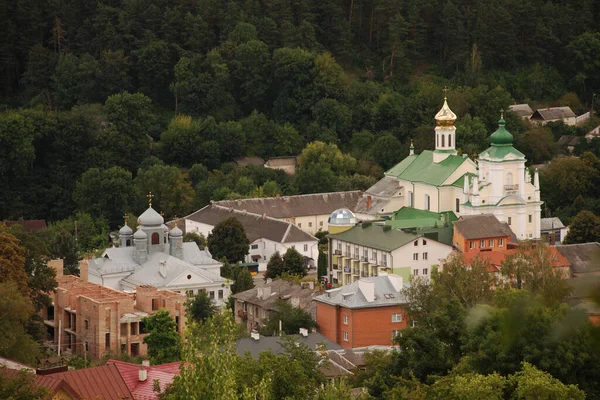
x=449, y=140
x=254, y=247
x=509, y=179
x=471, y=244
x=134, y=328
x=348, y=250
x=299, y=225
x=356, y=251
x=86, y=346
x=500, y=242
x=425, y=256
x=128, y=243
x=415, y=256
x=443, y=141
x=395, y=333
x=384, y=258
x=481, y=243
x=155, y=238
x=86, y=324
x=305, y=247
x=509, y=220
x=220, y=294
x=321, y=223
x=310, y=224
x=424, y=242
x=245, y=307
x=345, y=336
x=154, y=304
x=457, y=205
x=211, y=294
x=365, y=253
x=530, y=218
x=425, y=271
x=415, y=272
x=396, y=317
x=491, y=242
x=189, y=293
x=416, y=243
x=345, y=319
x=427, y=202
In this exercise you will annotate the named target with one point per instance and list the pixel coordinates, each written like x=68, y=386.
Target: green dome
x=501, y=137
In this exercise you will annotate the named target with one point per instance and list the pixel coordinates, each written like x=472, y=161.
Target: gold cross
x=162, y=214
x=125, y=218
x=445, y=90
x=150, y=196
x=502, y=113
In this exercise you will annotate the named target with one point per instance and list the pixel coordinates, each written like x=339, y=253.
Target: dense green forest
x=104, y=101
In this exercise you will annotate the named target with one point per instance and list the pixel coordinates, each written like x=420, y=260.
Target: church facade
x=441, y=180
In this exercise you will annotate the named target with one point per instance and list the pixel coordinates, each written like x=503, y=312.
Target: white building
x=441, y=180
x=266, y=235
x=154, y=256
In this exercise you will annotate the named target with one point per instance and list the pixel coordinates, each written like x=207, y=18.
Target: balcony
x=347, y=270
x=364, y=274
x=511, y=187
x=337, y=252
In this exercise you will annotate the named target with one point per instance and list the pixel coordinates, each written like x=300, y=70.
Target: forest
x=102, y=102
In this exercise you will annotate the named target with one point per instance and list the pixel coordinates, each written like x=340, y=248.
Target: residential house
x=30, y=225
x=567, y=143
x=287, y=164
x=370, y=311
x=155, y=256
x=249, y=161
x=92, y=320
x=554, y=114
x=141, y=379
x=481, y=233
x=266, y=235
x=309, y=212
x=522, y=110
x=255, y=305
x=437, y=226
x=441, y=180
x=553, y=230
x=593, y=134
x=374, y=248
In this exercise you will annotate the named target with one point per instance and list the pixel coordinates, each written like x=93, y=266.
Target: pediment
x=182, y=279
x=511, y=200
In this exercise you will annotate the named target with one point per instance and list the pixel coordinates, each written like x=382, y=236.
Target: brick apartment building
x=482, y=233
x=92, y=320
x=367, y=312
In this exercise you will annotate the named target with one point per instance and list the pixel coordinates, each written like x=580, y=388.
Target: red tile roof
x=32, y=225
x=55, y=385
x=104, y=382
x=164, y=373
x=495, y=258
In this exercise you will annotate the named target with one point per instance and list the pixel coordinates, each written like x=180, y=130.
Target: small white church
x=441, y=180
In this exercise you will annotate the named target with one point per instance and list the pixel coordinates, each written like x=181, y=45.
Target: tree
x=198, y=238
x=293, y=263
x=531, y=383
x=471, y=285
x=15, y=312
x=322, y=265
x=228, y=239
x=200, y=307
x=22, y=386
x=584, y=228
x=243, y=281
x=326, y=155
x=12, y=262
x=164, y=343
x=315, y=179
x=292, y=319
x=385, y=151
x=274, y=266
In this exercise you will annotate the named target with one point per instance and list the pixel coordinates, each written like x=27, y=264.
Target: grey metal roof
x=482, y=226
x=350, y=296
x=584, y=257
x=253, y=160
x=569, y=140
x=553, y=113
x=377, y=196
x=295, y=206
x=257, y=226
x=522, y=110
x=548, y=224
x=273, y=344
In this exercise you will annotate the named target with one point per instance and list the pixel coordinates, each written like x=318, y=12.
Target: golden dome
x=445, y=117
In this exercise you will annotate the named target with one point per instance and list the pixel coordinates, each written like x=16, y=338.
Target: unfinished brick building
x=92, y=320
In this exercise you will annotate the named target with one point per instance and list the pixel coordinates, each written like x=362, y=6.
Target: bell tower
x=445, y=132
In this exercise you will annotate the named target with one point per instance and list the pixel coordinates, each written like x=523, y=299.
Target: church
x=155, y=256
x=441, y=180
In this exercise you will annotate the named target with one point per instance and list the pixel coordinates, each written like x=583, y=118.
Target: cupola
x=501, y=137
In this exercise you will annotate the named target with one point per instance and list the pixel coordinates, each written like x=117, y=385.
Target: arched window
x=427, y=198
x=128, y=243
x=449, y=140
x=457, y=205
x=155, y=238
x=509, y=179
x=443, y=141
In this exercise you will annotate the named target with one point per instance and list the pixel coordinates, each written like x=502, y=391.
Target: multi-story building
x=374, y=248
x=367, y=312
x=481, y=233
x=92, y=320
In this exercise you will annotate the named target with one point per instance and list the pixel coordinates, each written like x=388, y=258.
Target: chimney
x=142, y=374
x=367, y=287
x=146, y=363
x=255, y=335
x=368, y=202
x=264, y=216
x=266, y=293
x=396, y=281
x=304, y=332
x=58, y=266
x=269, y=281
x=83, y=270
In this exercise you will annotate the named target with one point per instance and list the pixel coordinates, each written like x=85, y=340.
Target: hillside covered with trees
x=102, y=102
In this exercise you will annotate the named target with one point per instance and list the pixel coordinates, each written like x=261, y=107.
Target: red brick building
x=367, y=312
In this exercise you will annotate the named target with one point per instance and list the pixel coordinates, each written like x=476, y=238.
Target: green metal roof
x=501, y=136
x=496, y=151
x=501, y=143
x=460, y=182
x=377, y=236
x=408, y=217
x=421, y=168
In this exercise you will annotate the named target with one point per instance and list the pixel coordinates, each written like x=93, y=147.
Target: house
x=367, y=312
x=155, y=256
x=92, y=320
x=59, y=389
x=553, y=230
x=373, y=248
x=584, y=258
x=309, y=212
x=266, y=235
x=30, y=225
x=246, y=161
x=255, y=305
x=554, y=114
x=522, y=110
x=568, y=142
x=287, y=164
x=593, y=134
x=481, y=233
x=441, y=181
x=140, y=379
x=437, y=226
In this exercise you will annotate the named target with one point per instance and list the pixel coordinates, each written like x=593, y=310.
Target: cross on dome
x=150, y=196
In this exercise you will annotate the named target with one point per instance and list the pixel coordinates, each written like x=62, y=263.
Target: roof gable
x=422, y=168
x=376, y=235
x=481, y=227
x=351, y=296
